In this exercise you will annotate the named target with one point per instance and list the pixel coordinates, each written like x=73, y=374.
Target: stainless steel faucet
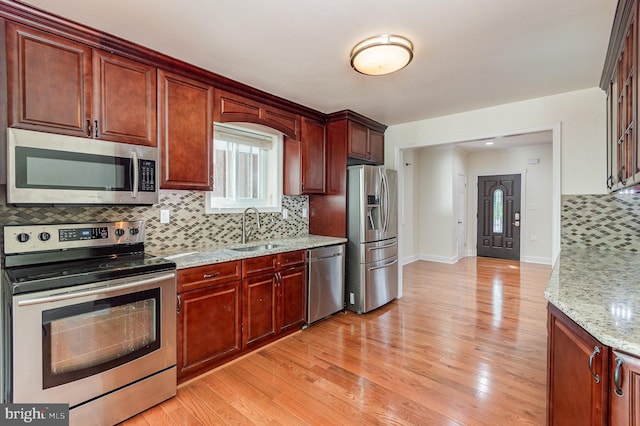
x=247, y=233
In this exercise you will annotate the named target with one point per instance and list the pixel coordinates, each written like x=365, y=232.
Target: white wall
x=581, y=146
x=409, y=223
x=536, y=202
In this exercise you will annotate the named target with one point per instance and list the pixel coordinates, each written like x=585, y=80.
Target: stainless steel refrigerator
x=372, y=231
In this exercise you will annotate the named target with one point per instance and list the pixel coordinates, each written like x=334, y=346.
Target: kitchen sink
x=257, y=247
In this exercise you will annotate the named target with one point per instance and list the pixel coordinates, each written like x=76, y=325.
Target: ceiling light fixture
x=381, y=54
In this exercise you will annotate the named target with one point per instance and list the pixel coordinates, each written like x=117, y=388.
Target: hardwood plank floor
x=465, y=345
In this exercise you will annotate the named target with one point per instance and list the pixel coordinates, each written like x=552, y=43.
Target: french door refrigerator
x=372, y=231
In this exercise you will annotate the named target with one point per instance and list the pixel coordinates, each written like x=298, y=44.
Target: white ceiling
x=509, y=141
x=469, y=54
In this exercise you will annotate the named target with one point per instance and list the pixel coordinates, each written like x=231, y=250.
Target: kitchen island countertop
x=218, y=253
x=600, y=291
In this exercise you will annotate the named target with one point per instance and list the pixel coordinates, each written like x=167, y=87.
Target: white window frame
x=272, y=201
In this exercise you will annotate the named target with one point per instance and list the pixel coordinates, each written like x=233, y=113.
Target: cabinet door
x=358, y=144
x=313, y=156
x=624, y=395
x=49, y=82
x=208, y=327
x=292, y=296
x=576, y=397
x=186, y=132
x=292, y=168
x=235, y=108
x=259, y=311
x=125, y=100
x=376, y=147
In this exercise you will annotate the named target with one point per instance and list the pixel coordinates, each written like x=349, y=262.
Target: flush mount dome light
x=381, y=54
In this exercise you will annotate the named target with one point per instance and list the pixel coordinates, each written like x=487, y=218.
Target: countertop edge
x=219, y=253
x=593, y=289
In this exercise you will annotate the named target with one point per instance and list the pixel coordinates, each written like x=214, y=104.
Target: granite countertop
x=600, y=291
x=187, y=258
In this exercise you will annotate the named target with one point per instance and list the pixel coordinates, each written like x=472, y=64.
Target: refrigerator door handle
x=383, y=247
x=383, y=208
x=386, y=265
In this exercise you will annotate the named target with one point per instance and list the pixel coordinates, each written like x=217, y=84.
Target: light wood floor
x=466, y=345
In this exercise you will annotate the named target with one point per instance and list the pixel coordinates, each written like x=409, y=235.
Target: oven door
x=75, y=344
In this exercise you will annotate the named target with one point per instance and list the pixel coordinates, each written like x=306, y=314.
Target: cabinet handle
x=207, y=276
x=179, y=305
x=96, y=128
x=617, y=377
x=596, y=351
x=88, y=127
x=621, y=174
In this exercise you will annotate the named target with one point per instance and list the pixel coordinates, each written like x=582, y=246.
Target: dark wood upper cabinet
x=125, y=105
x=620, y=81
x=351, y=139
x=376, y=147
x=305, y=160
x=230, y=107
x=62, y=86
x=186, y=132
x=364, y=143
x=357, y=141
x=48, y=82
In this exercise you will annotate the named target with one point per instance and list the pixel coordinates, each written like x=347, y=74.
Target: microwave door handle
x=136, y=173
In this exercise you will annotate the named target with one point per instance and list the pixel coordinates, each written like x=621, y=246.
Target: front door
x=499, y=217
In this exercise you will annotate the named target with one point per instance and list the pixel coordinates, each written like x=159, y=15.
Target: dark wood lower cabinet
x=578, y=374
x=293, y=298
x=259, y=323
x=230, y=308
x=274, y=303
x=208, y=327
x=624, y=395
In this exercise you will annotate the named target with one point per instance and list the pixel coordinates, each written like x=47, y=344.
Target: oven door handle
x=98, y=290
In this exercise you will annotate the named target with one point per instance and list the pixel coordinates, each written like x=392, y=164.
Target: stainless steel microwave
x=45, y=168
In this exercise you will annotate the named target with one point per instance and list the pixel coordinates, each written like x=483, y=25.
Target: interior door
x=499, y=216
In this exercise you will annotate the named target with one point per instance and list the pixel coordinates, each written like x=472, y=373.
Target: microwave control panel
x=147, y=176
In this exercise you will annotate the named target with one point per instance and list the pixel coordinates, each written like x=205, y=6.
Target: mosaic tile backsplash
x=607, y=222
x=189, y=226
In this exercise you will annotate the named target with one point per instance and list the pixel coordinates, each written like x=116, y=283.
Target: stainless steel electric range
x=88, y=320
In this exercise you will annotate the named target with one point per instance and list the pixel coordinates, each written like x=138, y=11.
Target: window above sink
x=247, y=169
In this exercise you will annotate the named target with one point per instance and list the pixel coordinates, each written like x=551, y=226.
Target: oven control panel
x=35, y=238
x=78, y=234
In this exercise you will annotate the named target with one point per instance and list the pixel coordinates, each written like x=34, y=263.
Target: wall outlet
x=352, y=299
x=305, y=213
x=285, y=213
x=164, y=216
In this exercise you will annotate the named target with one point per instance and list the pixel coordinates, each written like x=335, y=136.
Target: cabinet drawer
x=291, y=258
x=203, y=276
x=258, y=266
